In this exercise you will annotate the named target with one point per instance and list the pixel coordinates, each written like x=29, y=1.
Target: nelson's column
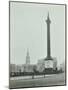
x=48, y=60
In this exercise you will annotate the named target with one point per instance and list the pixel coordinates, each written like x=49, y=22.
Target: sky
x=28, y=29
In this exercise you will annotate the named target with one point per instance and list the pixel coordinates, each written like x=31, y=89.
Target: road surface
x=49, y=80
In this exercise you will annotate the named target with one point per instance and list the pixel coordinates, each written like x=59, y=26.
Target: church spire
x=27, y=52
x=27, y=57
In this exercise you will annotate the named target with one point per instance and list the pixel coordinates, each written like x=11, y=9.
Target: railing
x=13, y=74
